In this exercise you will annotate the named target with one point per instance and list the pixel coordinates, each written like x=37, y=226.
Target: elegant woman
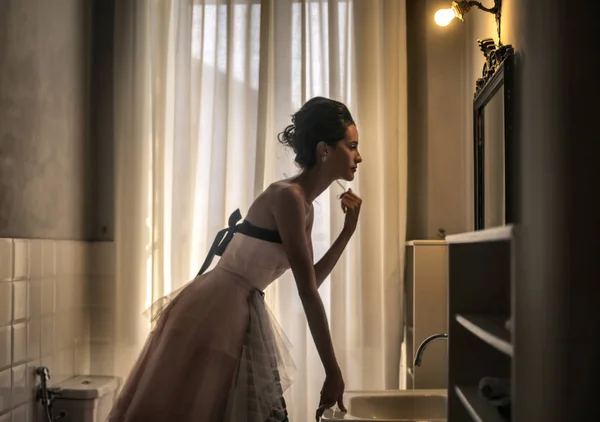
x=216, y=353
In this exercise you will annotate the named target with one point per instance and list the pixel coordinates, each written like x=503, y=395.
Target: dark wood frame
x=502, y=76
x=480, y=302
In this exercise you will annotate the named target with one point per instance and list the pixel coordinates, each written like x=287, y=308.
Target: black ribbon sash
x=225, y=235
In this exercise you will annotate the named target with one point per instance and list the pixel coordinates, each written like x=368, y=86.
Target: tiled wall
x=101, y=303
x=45, y=291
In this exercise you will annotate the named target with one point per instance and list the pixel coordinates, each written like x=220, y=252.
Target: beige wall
x=43, y=118
x=444, y=64
x=55, y=156
x=437, y=123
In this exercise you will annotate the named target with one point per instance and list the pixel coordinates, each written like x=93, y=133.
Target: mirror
x=493, y=141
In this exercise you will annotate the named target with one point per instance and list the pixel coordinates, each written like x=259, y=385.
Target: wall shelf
x=494, y=234
x=480, y=281
x=489, y=328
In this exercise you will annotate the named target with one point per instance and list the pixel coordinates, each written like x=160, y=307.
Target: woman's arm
x=325, y=265
x=290, y=216
x=351, y=204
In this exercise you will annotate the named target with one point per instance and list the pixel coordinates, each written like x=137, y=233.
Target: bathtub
x=392, y=406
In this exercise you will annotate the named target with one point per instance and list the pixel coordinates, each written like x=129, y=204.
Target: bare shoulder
x=288, y=206
x=279, y=198
x=286, y=194
x=292, y=198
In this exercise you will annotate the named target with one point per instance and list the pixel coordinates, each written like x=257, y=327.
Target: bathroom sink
x=392, y=406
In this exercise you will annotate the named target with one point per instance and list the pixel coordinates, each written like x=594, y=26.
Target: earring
x=323, y=158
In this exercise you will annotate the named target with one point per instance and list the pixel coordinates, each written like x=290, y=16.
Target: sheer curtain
x=202, y=89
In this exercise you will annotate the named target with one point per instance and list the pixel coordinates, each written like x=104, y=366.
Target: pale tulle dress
x=216, y=353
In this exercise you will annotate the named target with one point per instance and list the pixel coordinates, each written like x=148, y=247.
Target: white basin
x=392, y=406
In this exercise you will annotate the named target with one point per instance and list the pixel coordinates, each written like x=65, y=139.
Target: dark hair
x=319, y=119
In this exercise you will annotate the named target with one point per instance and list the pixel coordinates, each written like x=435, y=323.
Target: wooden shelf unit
x=479, y=305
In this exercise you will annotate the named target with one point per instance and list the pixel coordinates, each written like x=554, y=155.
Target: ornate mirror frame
x=498, y=71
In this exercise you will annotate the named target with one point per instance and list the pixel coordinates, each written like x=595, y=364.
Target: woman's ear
x=322, y=149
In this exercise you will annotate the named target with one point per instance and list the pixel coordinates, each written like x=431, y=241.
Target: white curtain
x=202, y=89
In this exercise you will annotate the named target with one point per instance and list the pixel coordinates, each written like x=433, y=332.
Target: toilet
x=84, y=398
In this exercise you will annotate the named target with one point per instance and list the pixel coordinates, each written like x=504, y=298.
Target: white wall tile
x=6, y=260
x=48, y=297
x=47, y=336
x=82, y=359
x=65, y=293
x=64, y=365
x=20, y=392
x=21, y=259
x=102, y=261
x=6, y=297
x=48, y=258
x=71, y=258
x=64, y=258
x=46, y=318
x=78, y=295
x=64, y=325
x=32, y=378
x=20, y=414
x=5, y=346
x=35, y=259
x=19, y=300
x=81, y=257
x=102, y=291
x=19, y=343
x=82, y=327
x=34, y=298
x=102, y=325
x=102, y=359
x=34, y=339
x=5, y=390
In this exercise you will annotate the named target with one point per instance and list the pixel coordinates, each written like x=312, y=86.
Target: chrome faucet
x=422, y=346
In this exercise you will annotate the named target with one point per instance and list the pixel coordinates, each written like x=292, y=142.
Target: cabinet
x=481, y=274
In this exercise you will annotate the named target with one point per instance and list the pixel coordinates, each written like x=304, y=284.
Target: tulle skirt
x=216, y=354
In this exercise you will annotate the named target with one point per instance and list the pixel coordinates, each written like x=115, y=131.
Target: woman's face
x=344, y=158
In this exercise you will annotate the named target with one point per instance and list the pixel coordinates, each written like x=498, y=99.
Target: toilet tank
x=85, y=398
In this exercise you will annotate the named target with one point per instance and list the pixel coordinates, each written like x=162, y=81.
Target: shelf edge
x=479, y=236
x=493, y=340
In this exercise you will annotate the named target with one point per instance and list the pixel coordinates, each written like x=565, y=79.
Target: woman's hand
x=332, y=393
x=351, y=206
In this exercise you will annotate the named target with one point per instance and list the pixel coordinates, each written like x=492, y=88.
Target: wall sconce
x=461, y=7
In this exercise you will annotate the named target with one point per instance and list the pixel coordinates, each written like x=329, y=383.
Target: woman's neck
x=313, y=182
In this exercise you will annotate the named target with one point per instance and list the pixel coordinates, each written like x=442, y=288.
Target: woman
x=216, y=354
